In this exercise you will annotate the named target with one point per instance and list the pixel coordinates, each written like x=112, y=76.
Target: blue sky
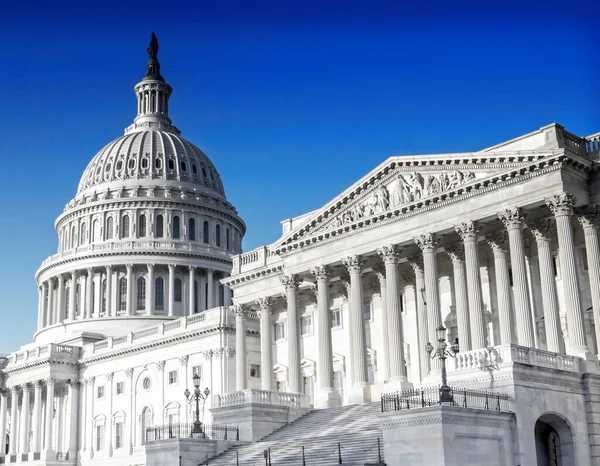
x=292, y=102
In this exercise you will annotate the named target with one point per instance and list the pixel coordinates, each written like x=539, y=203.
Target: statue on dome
x=153, y=64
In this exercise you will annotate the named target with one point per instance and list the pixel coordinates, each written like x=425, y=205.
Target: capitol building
x=492, y=256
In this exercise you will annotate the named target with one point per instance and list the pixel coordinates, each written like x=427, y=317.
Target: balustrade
x=267, y=397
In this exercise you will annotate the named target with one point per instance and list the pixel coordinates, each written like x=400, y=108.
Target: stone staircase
x=355, y=427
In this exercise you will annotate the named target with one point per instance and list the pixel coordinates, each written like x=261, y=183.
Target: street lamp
x=443, y=352
x=197, y=396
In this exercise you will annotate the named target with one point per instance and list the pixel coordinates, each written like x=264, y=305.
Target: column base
x=399, y=384
x=360, y=394
x=327, y=398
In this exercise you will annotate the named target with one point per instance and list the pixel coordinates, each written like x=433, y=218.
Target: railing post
x=486, y=401
x=237, y=458
x=237, y=433
x=269, y=456
x=339, y=453
x=378, y=451
x=303, y=459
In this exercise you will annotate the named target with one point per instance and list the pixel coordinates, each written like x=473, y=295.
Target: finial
x=153, y=64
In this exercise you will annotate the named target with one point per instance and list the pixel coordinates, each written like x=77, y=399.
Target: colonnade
x=40, y=419
x=115, y=290
x=516, y=322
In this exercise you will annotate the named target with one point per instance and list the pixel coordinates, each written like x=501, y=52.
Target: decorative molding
x=183, y=360
x=289, y=281
x=427, y=242
x=467, y=230
x=353, y=264
x=390, y=254
x=561, y=204
x=512, y=218
x=320, y=272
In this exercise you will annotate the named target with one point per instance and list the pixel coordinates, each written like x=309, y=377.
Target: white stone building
x=499, y=245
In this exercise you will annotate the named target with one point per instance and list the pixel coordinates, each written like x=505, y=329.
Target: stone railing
x=257, y=258
x=265, y=397
x=592, y=145
x=492, y=357
x=63, y=353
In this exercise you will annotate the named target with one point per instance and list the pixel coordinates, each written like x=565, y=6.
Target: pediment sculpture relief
x=403, y=189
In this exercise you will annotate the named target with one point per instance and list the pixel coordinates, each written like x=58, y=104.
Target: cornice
x=252, y=274
x=39, y=363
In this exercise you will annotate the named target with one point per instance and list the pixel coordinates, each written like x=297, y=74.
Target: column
x=49, y=437
x=211, y=289
x=3, y=415
x=390, y=256
x=108, y=393
x=498, y=242
x=131, y=392
x=40, y=321
x=513, y=221
x=192, y=300
x=73, y=416
x=290, y=283
x=468, y=233
x=266, y=348
x=240, y=348
x=50, y=311
x=561, y=206
x=456, y=254
x=416, y=264
x=60, y=300
x=129, y=304
x=24, y=419
x=108, y=298
x=84, y=419
x=427, y=243
x=360, y=390
x=202, y=293
x=542, y=232
x=91, y=389
x=36, y=420
x=89, y=285
x=44, y=318
x=150, y=290
x=14, y=412
x=380, y=274
x=171, y=294
x=72, y=295
x=589, y=221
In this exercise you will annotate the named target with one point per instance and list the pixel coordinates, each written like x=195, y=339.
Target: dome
x=151, y=155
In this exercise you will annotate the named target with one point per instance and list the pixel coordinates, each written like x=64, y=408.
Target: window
x=160, y=226
x=103, y=305
x=177, y=293
x=77, y=299
x=336, y=318
x=123, y=294
x=172, y=377
x=131, y=163
x=159, y=294
x=73, y=236
x=157, y=163
x=144, y=163
x=95, y=231
x=120, y=388
x=195, y=296
x=218, y=235
x=82, y=234
x=146, y=422
x=197, y=370
x=141, y=294
x=101, y=392
x=142, y=226
x=176, y=227
x=118, y=435
x=125, y=227
x=171, y=165
x=255, y=371
x=194, y=169
x=279, y=331
x=173, y=419
x=183, y=167
x=67, y=300
x=146, y=383
x=99, y=438
x=367, y=311
x=221, y=295
x=205, y=232
x=227, y=245
x=192, y=229
x=306, y=325
x=109, y=228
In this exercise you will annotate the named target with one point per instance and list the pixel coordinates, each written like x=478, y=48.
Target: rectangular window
x=336, y=318
x=120, y=388
x=101, y=392
x=279, y=331
x=306, y=325
x=367, y=311
x=197, y=370
x=255, y=371
x=172, y=377
x=119, y=435
x=173, y=419
x=99, y=438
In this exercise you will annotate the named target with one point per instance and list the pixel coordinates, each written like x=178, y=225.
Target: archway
x=554, y=441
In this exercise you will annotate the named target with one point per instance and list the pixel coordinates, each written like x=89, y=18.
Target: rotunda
x=148, y=235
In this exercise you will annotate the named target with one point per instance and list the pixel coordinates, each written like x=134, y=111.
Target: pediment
x=402, y=182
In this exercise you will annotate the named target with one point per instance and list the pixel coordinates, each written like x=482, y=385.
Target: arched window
x=192, y=229
x=123, y=294
x=176, y=227
x=160, y=226
x=141, y=294
x=218, y=235
x=82, y=233
x=125, y=227
x=103, y=305
x=67, y=298
x=195, y=296
x=109, y=228
x=205, y=232
x=73, y=236
x=177, y=293
x=142, y=226
x=159, y=294
x=221, y=295
x=77, y=300
x=95, y=232
x=146, y=422
x=227, y=243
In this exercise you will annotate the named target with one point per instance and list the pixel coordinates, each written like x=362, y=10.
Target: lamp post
x=197, y=396
x=443, y=352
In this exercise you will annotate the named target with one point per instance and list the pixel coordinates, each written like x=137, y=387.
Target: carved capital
x=512, y=219
x=426, y=242
x=313, y=293
x=160, y=365
x=456, y=252
x=15, y=389
x=265, y=305
x=129, y=372
x=208, y=354
x=50, y=381
x=4, y=392
x=27, y=386
x=353, y=264
x=74, y=384
x=498, y=241
x=588, y=216
x=542, y=229
x=467, y=230
x=379, y=271
x=416, y=263
x=290, y=282
x=39, y=383
x=150, y=267
x=110, y=376
x=561, y=204
x=320, y=272
x=390, y=254
x=238, y=310
x=183, y=360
